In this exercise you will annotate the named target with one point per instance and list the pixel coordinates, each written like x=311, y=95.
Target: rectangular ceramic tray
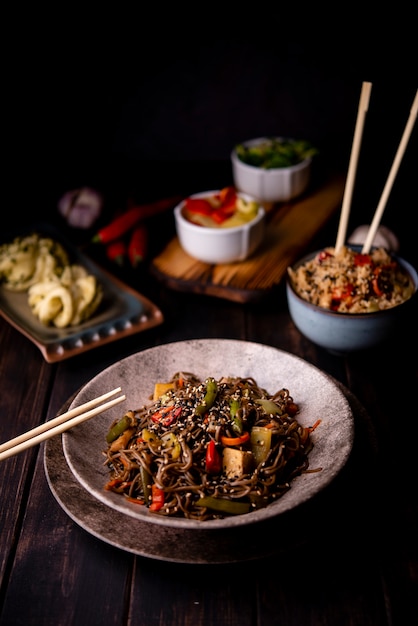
x=122, y=312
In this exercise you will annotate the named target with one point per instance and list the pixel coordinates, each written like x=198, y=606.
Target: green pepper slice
x=118, y=428
x=210, y=397
x=146, y=480
x=237, y=425
x=224, y=506
x=260, y=443
x=270, y=407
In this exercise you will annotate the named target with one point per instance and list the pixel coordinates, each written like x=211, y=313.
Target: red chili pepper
x=157, y=500
x=124, y=222
x=166, y=415
x=116, y=251
x=138, y=244
x=213, y=459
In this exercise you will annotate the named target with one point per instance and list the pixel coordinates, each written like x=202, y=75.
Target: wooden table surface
x=350, y=558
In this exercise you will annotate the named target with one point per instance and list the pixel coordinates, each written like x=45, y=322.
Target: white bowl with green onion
x=272, y=169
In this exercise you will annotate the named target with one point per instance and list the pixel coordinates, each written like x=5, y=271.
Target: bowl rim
x=273, y=170
x=214, y=230
x=341, y=314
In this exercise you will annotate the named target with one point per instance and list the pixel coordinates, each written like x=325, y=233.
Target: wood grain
x=290, y=228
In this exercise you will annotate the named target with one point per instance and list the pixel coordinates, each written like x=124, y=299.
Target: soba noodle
x=207, y=449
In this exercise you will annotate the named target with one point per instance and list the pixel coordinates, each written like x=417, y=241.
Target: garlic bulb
x=384, y=237
x=81, y=207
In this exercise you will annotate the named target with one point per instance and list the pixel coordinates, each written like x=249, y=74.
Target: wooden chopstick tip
x=57, y=426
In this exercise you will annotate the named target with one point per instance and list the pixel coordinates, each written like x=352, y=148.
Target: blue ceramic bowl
x=343, y=333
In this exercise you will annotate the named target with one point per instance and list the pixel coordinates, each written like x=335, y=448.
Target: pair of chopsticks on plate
x=61, y=423
x=348, y=192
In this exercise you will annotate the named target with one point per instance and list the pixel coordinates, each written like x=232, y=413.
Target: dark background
x=132, y=103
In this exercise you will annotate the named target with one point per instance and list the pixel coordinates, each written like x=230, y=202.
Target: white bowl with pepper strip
x=346, y=301
x=220, y=226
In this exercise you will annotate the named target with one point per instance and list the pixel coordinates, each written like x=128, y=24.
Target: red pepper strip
x=235, y=441
x=227, y=196
x=307, y=431
x=198, y=205
x=338, y=295
x=322, y=256
x=138, y=244
x=219, y=216
x=157, y=501
x=117, y=484
x=375, y=283
x=362, y=259
x=291, y=409
x=213, y=459
x=135, y=500
x=222, y=213
x=116, y=251
x=125, y=221
x=166, y=415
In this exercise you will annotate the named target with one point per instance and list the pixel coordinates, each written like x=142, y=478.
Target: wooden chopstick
x=348, y=192
x=392, y=174
x=59, y=424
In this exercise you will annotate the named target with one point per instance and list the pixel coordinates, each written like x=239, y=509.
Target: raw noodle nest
x=59, y=293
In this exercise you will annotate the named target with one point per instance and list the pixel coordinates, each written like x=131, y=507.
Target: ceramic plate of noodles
x=319, y=400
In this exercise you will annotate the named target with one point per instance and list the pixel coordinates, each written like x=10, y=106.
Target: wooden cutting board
x=291, y=226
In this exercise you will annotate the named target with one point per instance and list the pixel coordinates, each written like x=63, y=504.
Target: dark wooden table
x=349, y=558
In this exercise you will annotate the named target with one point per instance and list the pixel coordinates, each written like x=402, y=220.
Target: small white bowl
x=344, y=333
x=270, y=185
x=219, y=245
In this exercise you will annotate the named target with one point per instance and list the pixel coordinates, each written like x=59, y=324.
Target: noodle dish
x=214, y=435
x=207, y=449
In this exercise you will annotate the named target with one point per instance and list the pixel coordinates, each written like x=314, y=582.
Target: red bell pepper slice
x=379, y=283
x=321, y=256
x=228, y=196
x=342, y=294
x=213, y=459
x=362, y=259
x=198, y=205
x=166, y=415
x=220, y=215
x=157, y=500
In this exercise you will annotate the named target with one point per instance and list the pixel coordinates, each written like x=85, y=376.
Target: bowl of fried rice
x=346, y=301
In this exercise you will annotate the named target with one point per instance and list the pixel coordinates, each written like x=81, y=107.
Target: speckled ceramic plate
x=76, y=475
x=123, y=312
